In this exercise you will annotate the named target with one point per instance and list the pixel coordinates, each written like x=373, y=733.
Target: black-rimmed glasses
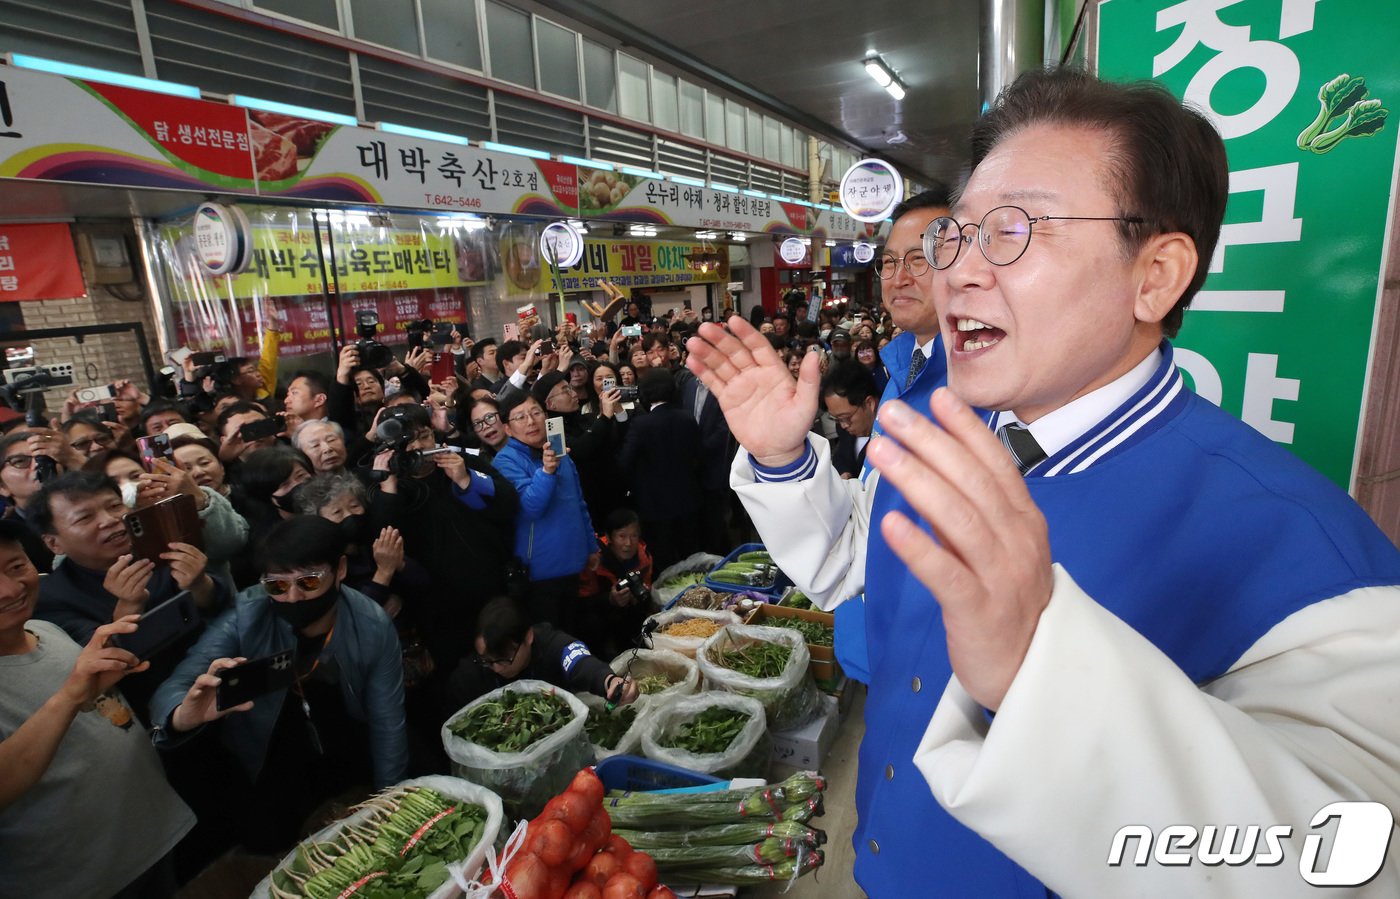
x=485, y=662
x=1003, y=234
x=486, y=421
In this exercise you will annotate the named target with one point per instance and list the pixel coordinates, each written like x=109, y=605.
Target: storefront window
x=451, y=32
x=390, y=23
x=508, y=34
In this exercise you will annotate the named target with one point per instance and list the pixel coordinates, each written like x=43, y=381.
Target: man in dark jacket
x=718, y=447
x=508, y=647
x=662, y=455
x=850, y=397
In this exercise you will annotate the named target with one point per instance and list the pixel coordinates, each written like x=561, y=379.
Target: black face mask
x=287, y=502
x=355, y=529
x=307, y=611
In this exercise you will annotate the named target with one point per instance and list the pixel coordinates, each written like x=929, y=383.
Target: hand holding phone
x=154, y=448
x=259, y=677
x=554, y=430
x=174, y=519
x=160, y=628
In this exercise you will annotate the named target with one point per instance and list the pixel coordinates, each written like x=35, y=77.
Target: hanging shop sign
x=793, y=251
x=639, y=264
x=66, y=129
x=863, y=253
x=37, y=262
x=316, y=160
x=870, y=190
x=562, y=244
x=1307, y=103
x=222, y=238
x=619, y=196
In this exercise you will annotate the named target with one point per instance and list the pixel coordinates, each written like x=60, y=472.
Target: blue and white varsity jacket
x=1222, y=647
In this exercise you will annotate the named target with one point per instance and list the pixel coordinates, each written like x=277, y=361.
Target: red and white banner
x=37, y=262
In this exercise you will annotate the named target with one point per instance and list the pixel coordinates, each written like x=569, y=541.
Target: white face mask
x=129, y=491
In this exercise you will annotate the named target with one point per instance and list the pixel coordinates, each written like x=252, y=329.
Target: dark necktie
x=1019, y=441
x=916, y=365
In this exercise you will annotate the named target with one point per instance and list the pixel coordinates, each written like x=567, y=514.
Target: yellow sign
x=285, y=262
x=636, y=264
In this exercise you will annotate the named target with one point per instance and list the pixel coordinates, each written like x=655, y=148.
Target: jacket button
x=917, y=685
x=874, y=848
x=889, y=772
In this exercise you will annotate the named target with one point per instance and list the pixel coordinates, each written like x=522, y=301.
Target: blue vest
x=1186, y=523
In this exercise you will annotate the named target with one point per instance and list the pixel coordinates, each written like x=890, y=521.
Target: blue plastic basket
x=781, y=583
x=636, y=774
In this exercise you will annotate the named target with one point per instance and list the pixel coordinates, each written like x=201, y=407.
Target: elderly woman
x=323, y=441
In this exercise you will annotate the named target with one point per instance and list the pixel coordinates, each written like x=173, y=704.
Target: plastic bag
x=686, y=646
x=679, y=669
x=450, y=787
x=630, y=742
x=524, y=780
x=790, y=699
x=699, y=563
x=748, y=753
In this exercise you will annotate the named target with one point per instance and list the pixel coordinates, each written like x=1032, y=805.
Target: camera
x=96, y=394
x=632, y=582
x=373, y=354
x=417, y=333
x=397, y=427
x=545, y=348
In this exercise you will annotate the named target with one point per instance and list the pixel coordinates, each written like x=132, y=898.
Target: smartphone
x=685, y=304
x=266, y=427
x=96, y=394
x=177, y=357
x=153, y=448
x=444, y=365
x=254, y=678
x=511, y=331
x=108, y=412
x=554, y=430
x=200, y=359
x=161, y=627
x=437, y=451
x=629, y=394
x=442, y=333
x=631, y=330
x=545, y=348
x=609, y=385
x=174, y=519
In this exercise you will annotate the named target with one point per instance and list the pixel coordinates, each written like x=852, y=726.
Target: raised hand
x=990, y=567
x=768, y=413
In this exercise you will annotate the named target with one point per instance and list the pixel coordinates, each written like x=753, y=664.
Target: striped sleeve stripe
x=800, y=470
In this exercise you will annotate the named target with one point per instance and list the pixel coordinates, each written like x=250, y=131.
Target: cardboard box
x=764, y=613
x=807, y=746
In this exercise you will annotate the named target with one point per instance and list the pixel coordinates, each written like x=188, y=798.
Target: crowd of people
x=412, y=544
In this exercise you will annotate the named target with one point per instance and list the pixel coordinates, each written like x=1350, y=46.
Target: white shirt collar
x=1058, y=429
x=928, y=347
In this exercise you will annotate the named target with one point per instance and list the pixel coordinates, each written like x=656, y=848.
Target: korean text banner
x=1307, y=98
x=620, y=196
x=637, y=264
x=37, y=263
x=64, y=129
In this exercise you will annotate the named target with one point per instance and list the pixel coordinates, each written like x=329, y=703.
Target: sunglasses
x=306, y=583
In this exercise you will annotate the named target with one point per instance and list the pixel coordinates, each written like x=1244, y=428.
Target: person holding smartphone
x=341, y=721
x=73, y=767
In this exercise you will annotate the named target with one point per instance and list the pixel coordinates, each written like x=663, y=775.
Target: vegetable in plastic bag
x=790, y=699
x=679, y=670
x=747, y=754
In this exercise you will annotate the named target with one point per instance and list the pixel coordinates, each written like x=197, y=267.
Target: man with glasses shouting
x=340, y=723
x=1118, y=606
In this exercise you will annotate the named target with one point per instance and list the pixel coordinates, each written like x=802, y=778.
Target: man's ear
x=1165, y=266
x=530, y=637
x=341, y=569
x=54, y=543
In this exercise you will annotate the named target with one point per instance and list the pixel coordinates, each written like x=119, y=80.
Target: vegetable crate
x=825, y=669
x=636, y=774
x=780, y=583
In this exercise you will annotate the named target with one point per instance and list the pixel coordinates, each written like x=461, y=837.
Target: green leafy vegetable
x=1337, y=97
x=709, y=732
x=513, y=721
x=1362, y=120
x=757, y=659
x=606, y=728
x=813, y=632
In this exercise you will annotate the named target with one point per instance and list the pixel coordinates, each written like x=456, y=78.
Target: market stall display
x=751, y=568
x=723, y=734
x=817, y=628
x=403, y=842
x=525, y=741
x=684, y=574
x=659, y=672
x=613, y=730
x=767, y=663
x=684, y=630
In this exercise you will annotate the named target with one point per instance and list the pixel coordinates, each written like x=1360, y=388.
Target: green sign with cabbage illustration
x=1306, y=94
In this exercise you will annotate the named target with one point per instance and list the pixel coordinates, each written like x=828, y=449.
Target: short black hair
x=318, y=382
x=653, y=339
x=657, y=385
x=620, y=518
x=83, y=418
x=374, y=371
x=265, y=469
x=480, y=346
x=156, y=407
x=783, y=315
x=14, y=437
x=512, y=400
x=300, y=542
x=935, y=196
x=510, y=349
x=851, y=381
x=74, y=485
x=502, y=624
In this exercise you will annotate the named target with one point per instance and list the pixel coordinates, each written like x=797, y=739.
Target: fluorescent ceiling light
x=895, y=89
x=511, y=148
x=640, y=173
x=410, y=131
x=706, y=235
x=755, y=193
x=682, y=179
x=878, y=70
x=739, y=236
x=727, y=188
x=587, y=163
x=831, y=243
x=87, y=73
x=296, y=112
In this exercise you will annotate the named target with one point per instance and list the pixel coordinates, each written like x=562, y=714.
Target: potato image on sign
x=604, y=190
